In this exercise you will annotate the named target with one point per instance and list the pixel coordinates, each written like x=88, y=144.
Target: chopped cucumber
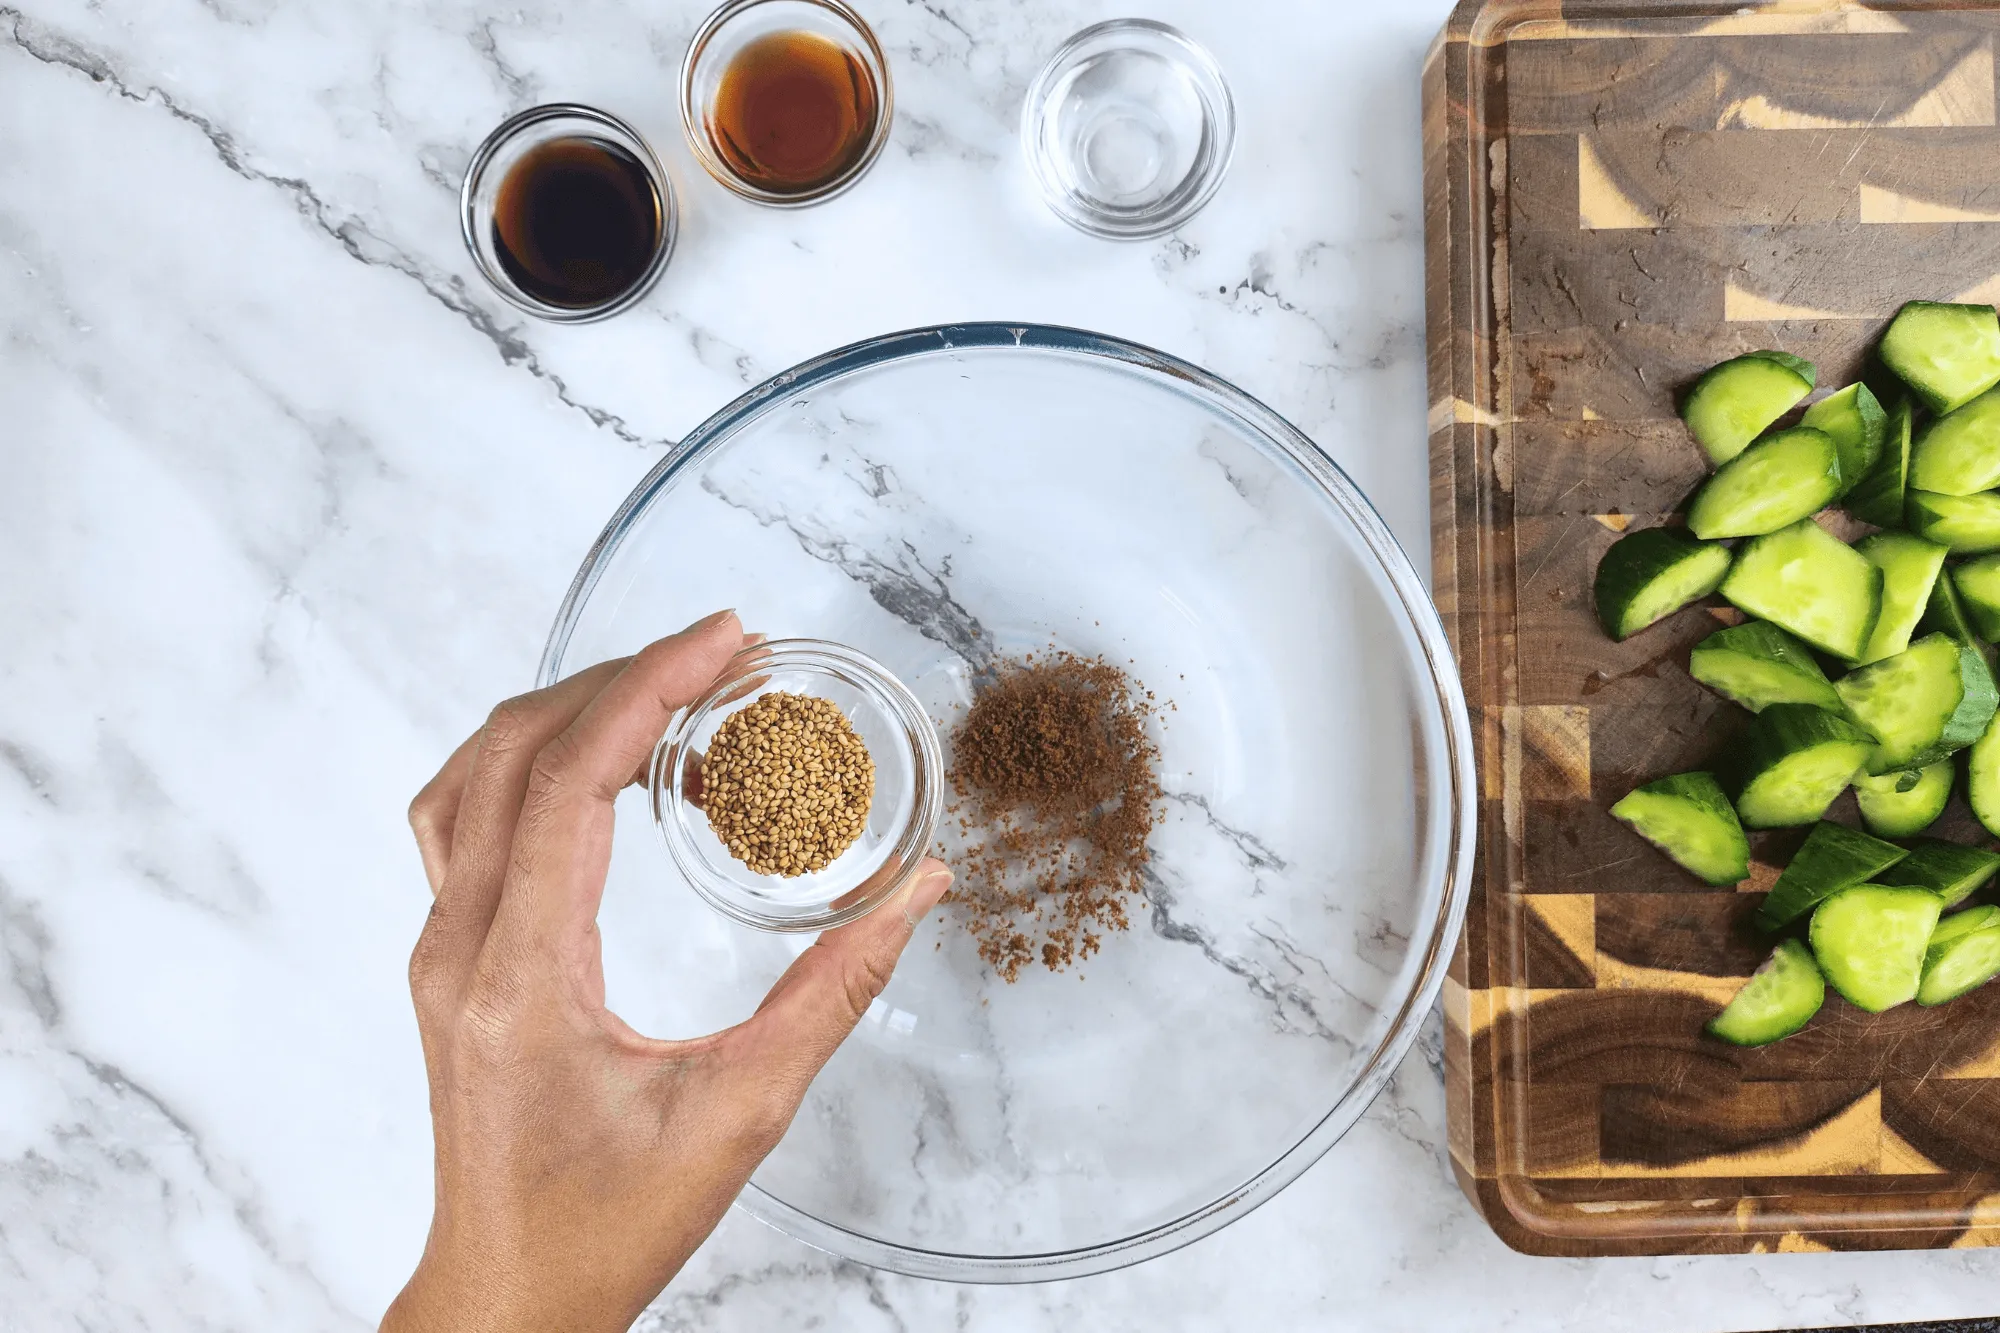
x=1806, y=580
x=1959, y=454
x=1792, y=761
x=1650, y=574
x=1781, y=997
x=1783, y=477
x=1951, y=927
x=1947, y=614
x=1870, y=943
x=1909, y=568
x=1733, y=403
x=1859, y=427
x=1833, y=857
x=1959, y=960
x=1953, y=872
x=1947, y=354
x=1977, y=583
x=1982, y=779
x=1688, y=817
x=1755, y=664
x=1878, y=497
x=1897, y=805
x=1963, y=524
x=1907, y=701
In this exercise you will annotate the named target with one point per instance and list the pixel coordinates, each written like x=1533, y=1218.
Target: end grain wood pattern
x=1619, y=195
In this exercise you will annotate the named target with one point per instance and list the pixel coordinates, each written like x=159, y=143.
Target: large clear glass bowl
x=937, y=497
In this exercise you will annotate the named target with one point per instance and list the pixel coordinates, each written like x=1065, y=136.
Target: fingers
x=434, y=813
x=562, y=845
x=824, y=993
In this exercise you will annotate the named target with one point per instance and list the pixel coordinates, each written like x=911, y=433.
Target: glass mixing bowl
x=945, y=498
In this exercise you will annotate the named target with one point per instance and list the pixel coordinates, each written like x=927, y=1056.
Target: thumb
x=828, y=987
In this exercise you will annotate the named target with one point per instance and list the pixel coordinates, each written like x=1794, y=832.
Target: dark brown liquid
x=794, y=112
x=576, y=222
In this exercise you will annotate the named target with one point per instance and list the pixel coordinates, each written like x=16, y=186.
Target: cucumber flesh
x=1982, y=779
x=1688, y=817
x=1906, y=701
x=1778, y=480
x=1952, y=871
x=1947, y=613
x=1650, y=574
x=1959, y=454
x=1947, y=354
x=1756, y=664
x=1962, y=524
x=1910, y=568
x=1833, y=857
x=1977, y=583
x=1859, y=427
x=1962, y=963
x=1804, y=579
x=1781, y=997
x=1870, y=942
x=1899, y=805
x=1791, y=762
x=1878, y=497
x=1733, y=403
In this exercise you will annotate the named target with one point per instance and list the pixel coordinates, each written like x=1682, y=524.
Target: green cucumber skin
x=1977, y=583
x=1859, y=427
x=1807, y=581
x=1792, y=674
x=1635, y=566
x=1959, y=924
x=1888, y=812
x=1735, y=402
x=1910, y=569
x=1779, y=998
x=1982, y=778
x=1832, y=858
x=1694, y=798
x=1950, y=870
x=1936, y=669
x=1878, y=497
x=1774, y=482
x=1944, y=383
x=1779, y=736
x=1959, y=965
x=1962, y=524
x=1959, y=454
x=1870, y=943
x=1946, y=613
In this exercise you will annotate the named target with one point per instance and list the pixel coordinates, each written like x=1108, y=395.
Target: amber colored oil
x=794, y=112
x=576, y=222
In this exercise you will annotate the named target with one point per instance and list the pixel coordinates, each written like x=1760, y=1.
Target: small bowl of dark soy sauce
x=568, y=213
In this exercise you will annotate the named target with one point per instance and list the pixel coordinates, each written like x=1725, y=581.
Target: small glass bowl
x=514, y=138
x=734, y=26
x=1129, y=129
x=909, y=785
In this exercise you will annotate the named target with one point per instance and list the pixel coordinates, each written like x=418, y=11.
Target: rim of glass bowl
x=696, y=132
x=628, y=138
x=1454, y=857
x=1218, y=123
x=666, y=783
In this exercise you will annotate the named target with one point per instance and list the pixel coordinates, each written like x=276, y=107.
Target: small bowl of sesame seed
x=802, y=789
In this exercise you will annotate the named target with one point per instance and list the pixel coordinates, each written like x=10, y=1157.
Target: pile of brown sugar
x=1057, y=791
x=787, y=783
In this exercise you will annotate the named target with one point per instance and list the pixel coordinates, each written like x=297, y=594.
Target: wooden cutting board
x=1618, y=196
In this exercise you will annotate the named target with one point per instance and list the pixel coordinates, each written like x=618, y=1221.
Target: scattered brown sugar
x=1057, y=793
x=787, y=783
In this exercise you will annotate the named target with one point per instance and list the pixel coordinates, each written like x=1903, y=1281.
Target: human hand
x=578, y=1163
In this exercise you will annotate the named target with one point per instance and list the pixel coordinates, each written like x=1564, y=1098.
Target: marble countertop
x=289, y=500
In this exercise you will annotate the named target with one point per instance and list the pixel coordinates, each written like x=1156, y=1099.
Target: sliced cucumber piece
x=1978, y=585
x=1982, y=779
x=1756, y=664
x=1833, y=857
x=1806, y=580
x=1956, y=924
x=1878, y=497
x=1791, y=762
x=1897, y=805
x=1906, y=701
x=1947, y=354
x=1909, y=568
x=1961, y=961
x=1688, y=817
x=1733, y=403
x=1781, y=997
x=1951, y=871
x=1870, y=943
x=1963, y=524
x=1959, y=454
x=1858, y=425
x=1650, y=574
x=1778, y=480
x=1947, y=614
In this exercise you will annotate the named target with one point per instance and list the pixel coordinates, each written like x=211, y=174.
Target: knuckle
x=556, y=765
x=862, y=980
x=511, y=724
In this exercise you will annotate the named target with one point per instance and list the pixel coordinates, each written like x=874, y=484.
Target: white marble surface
x=288, y=500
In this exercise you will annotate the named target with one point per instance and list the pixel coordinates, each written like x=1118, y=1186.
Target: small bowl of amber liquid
x=786, y=102
x=567, y=213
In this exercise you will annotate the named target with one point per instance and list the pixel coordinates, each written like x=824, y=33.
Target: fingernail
x=929, y=889
x=709, y=621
